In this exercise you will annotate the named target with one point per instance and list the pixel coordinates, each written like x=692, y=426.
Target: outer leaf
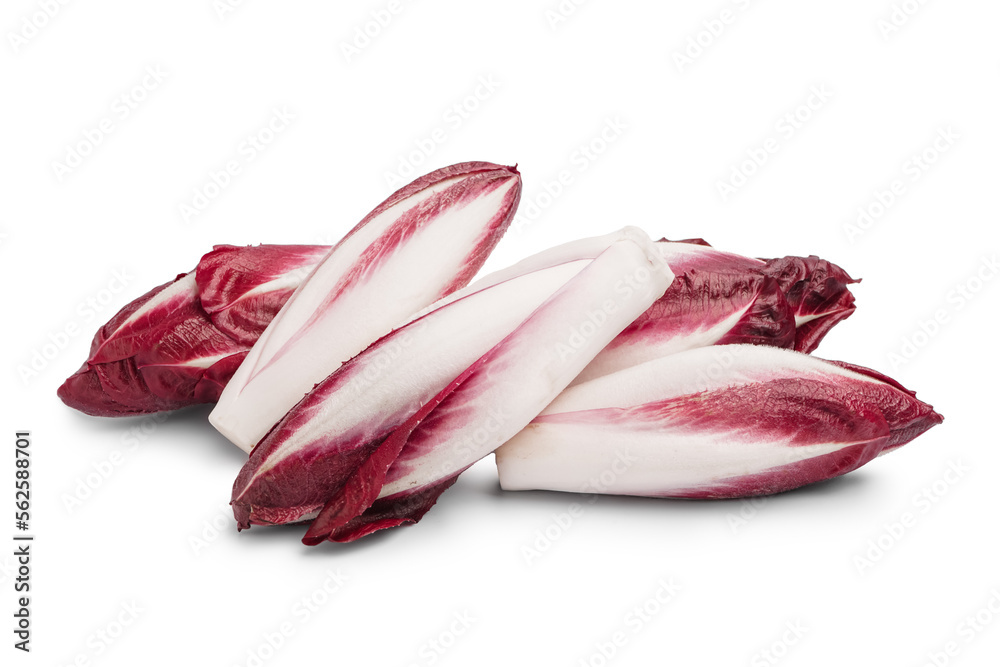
x=426, y=241
x=243, y=288
x=720, y=422
x=163, y=351
x=817, y=292
x=721, y=298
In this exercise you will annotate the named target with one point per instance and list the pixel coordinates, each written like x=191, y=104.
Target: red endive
x=178, y=344
x=719, y=422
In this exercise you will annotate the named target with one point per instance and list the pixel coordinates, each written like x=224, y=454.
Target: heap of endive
x=364, y=378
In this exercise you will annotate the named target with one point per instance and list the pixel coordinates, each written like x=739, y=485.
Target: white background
x=745, y=572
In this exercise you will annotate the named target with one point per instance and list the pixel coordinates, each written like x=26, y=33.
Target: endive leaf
x=424, y=242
